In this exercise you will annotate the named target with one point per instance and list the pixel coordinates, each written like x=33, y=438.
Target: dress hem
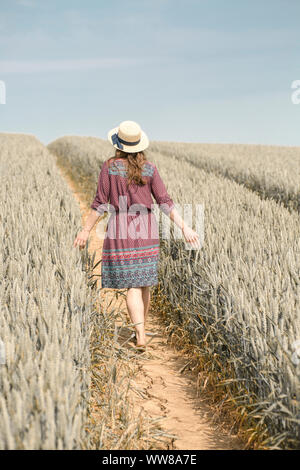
x=129, y=286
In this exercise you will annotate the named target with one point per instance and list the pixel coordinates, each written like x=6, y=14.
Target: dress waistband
x=135, y=212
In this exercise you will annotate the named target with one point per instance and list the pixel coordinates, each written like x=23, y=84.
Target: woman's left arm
x=101, y=199
x=98, y=206
x=83, y=235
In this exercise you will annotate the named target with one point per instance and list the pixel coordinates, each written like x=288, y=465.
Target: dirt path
x=161, y=389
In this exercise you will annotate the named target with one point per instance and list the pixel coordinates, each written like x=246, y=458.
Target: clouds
x=26, y=3
x=36, y=66
x=202, y=63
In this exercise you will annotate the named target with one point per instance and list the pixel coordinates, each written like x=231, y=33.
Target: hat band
x=118, y=141
x=128, y=143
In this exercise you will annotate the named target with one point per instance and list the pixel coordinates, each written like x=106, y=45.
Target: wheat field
x=238, y=297
x=235, y=301
x=62, y=378
x=270, y=171
x=45, y=379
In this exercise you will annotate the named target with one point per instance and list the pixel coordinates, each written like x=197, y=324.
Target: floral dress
x=131, y=245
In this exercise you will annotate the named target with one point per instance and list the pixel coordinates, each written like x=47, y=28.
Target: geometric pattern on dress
x=130, y=267
x=118, y=168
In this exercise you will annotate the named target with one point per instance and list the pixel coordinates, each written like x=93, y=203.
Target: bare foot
x=140, y=339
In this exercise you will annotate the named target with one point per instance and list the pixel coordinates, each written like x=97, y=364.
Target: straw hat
x=128, y=137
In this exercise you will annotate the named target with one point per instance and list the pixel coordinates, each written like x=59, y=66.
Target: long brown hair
x=135, y=162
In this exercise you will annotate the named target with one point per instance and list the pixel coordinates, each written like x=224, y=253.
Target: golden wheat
x=271, y=171
x=64, y=374
x=45, y=319
x=239, y=295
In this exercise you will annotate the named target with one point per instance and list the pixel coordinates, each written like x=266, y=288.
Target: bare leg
x=135, y=306
x=146, y=300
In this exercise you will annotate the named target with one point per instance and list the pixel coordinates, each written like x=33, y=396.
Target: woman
x=131, y=246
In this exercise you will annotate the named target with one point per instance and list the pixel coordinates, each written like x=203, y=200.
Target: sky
x=185, y=70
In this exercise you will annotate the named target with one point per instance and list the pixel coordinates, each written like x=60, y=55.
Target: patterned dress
x=131, y=246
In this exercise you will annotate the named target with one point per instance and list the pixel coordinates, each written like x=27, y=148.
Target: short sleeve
x=100, y=202
x=160, y=193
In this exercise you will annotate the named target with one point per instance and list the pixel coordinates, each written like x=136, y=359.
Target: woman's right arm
x=189, y=234
x=167, y=206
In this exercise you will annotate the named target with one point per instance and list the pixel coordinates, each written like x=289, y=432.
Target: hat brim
x=142, y=145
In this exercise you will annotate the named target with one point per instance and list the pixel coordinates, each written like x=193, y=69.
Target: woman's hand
x=81, y=238
x=191, y=236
